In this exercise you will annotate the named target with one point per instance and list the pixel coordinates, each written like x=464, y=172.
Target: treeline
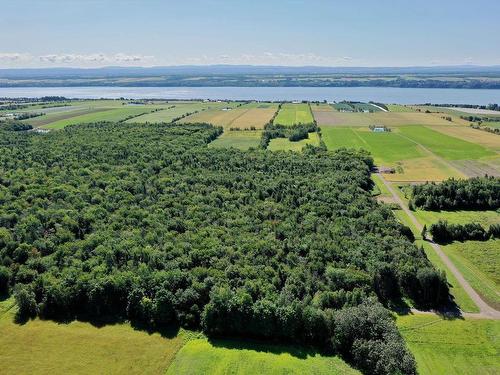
x=264, y=80
x=443, y=232
x=14, y=126
x=476, y=193
x=147, y=223
x=486, y=128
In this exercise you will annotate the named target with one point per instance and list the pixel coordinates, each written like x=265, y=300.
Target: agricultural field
x=390, y=119
x=284, y=144
x=443, y=145
x=242, y=140
x=243, y=117
x=399, y=108
x=458, y=346
x=113, y=115
x=469, y=134
x=174, y=110
x=292, y=114
x=201, y=356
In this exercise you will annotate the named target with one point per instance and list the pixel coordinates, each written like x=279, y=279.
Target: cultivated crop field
x=244, y=117
x=325, y=117
x=174, y=110
x=291, y=114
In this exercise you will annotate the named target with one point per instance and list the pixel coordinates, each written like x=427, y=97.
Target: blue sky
x=89, y=33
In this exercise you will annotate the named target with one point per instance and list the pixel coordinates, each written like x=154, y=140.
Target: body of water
x=364, y=94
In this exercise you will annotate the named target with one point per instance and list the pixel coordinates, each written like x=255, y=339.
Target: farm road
x=485, y=310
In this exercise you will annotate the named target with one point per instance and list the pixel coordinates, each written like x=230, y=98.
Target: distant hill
x=116, y=71
x=464, y=76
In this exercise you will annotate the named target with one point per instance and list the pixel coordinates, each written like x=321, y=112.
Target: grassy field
x=201, y=356
x=485, y=218
x=291, y=114
x=283, y=144
x=242, y=140
x=45, y=347
x=445, y=146
x=466, y=133
x=461, y=347
x=479, y=262
x=118, y=114
x=382, y=189
x=244, y=117
x=386, y=148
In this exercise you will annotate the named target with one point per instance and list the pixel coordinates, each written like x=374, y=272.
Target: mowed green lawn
x=284, y=144
x=460, y=347
x=118, y=114
x=388, y=147
x=445, y=146
x=242, y=140
x=200, y=356
x=291, y=114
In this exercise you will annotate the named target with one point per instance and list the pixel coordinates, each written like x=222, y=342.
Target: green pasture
x=459, y=346
x=291, y=114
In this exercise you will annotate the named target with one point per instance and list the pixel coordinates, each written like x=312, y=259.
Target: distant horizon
x=254, y=65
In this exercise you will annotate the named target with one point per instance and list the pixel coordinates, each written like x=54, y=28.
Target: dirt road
x=485, y=310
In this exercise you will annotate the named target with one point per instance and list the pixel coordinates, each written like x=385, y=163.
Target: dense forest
x=475, y=194
x=146, y=223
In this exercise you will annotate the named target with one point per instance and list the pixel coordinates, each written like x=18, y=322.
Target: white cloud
x=70, y=59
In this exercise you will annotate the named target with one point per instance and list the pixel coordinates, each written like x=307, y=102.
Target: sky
x=94, y=33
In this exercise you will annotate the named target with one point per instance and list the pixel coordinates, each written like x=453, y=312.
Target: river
x=364, y=94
